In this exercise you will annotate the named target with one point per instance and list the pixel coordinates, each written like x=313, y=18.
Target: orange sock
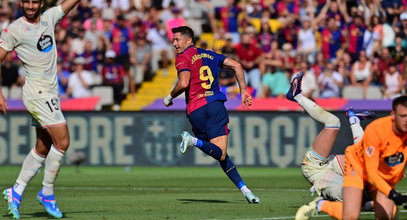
x=333, y=209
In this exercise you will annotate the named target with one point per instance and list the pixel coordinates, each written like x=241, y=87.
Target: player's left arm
x=181, y=85
x=68, y=5
x=239, y=75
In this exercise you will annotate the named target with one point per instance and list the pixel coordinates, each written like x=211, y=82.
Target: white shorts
x=325, y=174
x=45, y=111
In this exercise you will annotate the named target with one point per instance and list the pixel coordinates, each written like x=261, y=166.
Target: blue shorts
x=210, y=121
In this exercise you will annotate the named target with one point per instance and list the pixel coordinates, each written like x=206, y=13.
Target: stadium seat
x=105, y=93
x=352, y=92
x=373, y=92
x=15, y=92
x=5, y=91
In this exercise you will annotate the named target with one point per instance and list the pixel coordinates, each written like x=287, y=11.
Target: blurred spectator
x=108, y=11
x=332, y=39
x=113, y=74
x=162, y=51
x=398, y=51
x=381, y=65
x=228, y=49
x=78, y=43
x=355, y=31
x=403, y=25
x=79, y=82
x=93, y=33
x=95, y=20
x=176, y=21
x=330, y=82
x=63, y=76
x=345, y=67
x=121, y=36
x=362, y=72
x=272, y=59
x=91, y=57
x=370, y=41
x=393, y=82
x=319, y=65
x=309, y=84
x=288, y=55
x=307, y=44
x=275, y=83
x=265, y=37
x=228, y=15
x=9, y=69
x=393, y=9
x=140, y=57
x=249, y=56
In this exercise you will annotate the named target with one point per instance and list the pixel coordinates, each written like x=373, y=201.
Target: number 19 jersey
x=203, y=84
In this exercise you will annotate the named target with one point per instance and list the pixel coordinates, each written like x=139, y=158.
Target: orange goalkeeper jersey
x=381, y=153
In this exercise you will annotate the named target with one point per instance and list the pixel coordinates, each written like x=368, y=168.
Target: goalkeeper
x=375, y=163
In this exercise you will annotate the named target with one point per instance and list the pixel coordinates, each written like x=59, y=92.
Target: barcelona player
x=198, y=78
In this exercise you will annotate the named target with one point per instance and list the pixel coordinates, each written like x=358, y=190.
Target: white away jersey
x=36, y=48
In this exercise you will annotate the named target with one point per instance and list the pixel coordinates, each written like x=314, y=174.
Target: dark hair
x=184, y=30
x=401, y=100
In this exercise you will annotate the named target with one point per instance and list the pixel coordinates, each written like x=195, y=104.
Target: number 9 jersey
x=203, y=66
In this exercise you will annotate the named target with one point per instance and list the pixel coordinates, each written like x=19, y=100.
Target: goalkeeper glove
x=397, y=197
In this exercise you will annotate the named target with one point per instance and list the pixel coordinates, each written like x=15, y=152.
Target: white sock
x=319, y=205
x=52, y=165
x=244, y=189
x=354, y=120
x=318, y=113
x=357, y=132
x=32, y=163
x=194, y=140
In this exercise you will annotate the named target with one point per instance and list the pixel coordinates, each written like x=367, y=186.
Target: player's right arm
x=239, y=74
x=3, y=103
x=68, y=5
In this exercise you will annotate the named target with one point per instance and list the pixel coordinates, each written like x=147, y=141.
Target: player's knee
x=333, y=121
x=63, y=144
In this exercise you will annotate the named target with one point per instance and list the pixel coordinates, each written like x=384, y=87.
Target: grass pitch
x=167, y=193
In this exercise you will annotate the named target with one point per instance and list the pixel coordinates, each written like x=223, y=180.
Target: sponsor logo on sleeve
x=370, y=151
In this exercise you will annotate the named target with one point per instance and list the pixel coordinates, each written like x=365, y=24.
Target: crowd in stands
x=123, y=43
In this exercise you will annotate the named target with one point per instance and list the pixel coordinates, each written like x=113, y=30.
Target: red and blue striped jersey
x=204, y=67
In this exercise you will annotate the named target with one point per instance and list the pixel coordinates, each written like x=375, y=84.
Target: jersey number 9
x=208, y=77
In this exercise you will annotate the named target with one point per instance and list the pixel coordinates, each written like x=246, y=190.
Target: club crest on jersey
x=395, y=159
x=45, y=43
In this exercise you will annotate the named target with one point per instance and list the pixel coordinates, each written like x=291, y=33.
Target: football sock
x=244, y=189
x=52, y=165
x=209, y=149
x=318, y=113
x=357, y=132
x=230, y=169
x=32, y=163
x=354, y=120
x=333, y=209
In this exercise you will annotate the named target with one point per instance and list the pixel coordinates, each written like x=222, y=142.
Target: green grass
x=167, y=193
